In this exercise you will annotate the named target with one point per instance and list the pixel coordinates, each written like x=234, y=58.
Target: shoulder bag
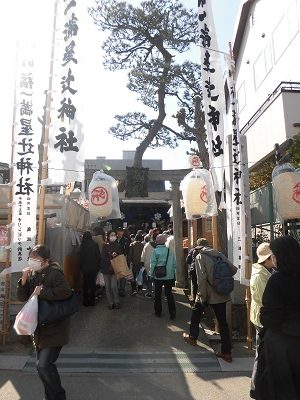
x=160, y=271
x=50, y=312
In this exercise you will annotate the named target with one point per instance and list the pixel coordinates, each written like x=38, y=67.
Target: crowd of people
x=274, y=309
x=143, y=253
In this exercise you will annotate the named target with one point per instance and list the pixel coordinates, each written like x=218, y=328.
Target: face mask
x=112, y=238
x=34, y=265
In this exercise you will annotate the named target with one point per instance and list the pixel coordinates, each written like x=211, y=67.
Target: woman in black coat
x=278, y=370
x=45, y=278
x=90, y=263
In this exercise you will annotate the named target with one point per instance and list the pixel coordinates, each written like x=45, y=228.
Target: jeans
x=45, y=363
x=122, y=286
x=220, y=312
x=168, y=284
x=149, y=284
x=111, y=289
x=254, y=371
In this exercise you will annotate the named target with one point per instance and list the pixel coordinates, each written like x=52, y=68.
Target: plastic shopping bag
x=27, y=319
x=100, y=279
x=139, y=278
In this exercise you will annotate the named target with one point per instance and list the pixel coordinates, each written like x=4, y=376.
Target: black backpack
x=223, y=282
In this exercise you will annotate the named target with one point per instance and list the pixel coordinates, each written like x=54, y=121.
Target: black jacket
x=281, y=304
x=55, y=288
x=278, y=367
x=107, y=251
x=190, y=260
x=90, y=259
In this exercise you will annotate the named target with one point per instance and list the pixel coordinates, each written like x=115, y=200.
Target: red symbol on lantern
x=296, y=193
x=203, y=194
x=195, y=161
x=99, y=196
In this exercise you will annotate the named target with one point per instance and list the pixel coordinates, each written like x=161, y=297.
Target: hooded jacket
x=204, y=265
x=259, y=278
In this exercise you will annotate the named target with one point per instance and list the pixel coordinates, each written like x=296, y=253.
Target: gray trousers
x=111, y=289
x=254, y=371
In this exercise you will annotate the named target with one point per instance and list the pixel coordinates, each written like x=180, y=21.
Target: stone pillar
x=177, y=230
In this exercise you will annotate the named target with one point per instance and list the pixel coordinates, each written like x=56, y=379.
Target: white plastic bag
x=27, y=319
x=100, y=279
x=139, y=278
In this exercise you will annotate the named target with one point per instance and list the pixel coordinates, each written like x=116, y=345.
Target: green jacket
x=159, y=258
x=259, y=278
x=55, y=288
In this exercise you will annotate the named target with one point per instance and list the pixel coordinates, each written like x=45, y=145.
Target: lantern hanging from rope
x=198, y=194
x=100, y=195
x=286, y=188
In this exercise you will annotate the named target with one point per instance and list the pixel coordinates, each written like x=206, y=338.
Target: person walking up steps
x=45, y=278
x=207, y=295
x=163, y=257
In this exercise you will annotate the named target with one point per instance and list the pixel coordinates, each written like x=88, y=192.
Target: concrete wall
x=269, y=54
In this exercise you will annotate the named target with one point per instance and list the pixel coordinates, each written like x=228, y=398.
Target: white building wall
x=269, y=53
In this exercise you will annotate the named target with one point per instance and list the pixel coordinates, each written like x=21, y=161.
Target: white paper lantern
x=286, y=186
x=198, y=194
x=100, y=195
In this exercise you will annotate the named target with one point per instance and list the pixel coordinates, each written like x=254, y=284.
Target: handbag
x=120, y=267
x=50, y=312
x=161, y=270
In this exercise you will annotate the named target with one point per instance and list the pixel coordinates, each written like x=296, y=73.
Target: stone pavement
x=132, y=340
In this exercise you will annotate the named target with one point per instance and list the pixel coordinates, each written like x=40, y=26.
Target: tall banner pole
x=240, y=209
x=6, y=277
x=44, y=173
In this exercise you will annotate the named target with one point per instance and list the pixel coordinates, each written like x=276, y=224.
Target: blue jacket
x=159, y=257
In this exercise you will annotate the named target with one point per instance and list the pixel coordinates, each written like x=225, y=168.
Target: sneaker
x=134, y=293
x=189, y=340
x=225, y=357
x=148, y=295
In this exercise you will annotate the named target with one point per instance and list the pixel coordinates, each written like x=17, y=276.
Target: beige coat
x=259, y=278
x=204, y=268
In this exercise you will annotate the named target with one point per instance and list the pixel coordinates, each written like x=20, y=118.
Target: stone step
x=133, y=362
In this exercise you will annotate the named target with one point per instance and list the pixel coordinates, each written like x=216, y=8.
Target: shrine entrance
x=172, y=195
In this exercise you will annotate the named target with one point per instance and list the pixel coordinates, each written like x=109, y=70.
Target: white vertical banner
x=239, y=234
x=213, y=91
x=65, y=152
x=27, y=134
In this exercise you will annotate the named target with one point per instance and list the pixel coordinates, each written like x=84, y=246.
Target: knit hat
x=138, y=237
x=161, y=239
x=263, y=252
x=202, y=242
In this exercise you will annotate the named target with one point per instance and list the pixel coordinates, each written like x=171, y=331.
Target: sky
x=104, y=93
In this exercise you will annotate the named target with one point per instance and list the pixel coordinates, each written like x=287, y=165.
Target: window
x=241, y=95
x=280, y=38
x=285, y=31
x=263, y=65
